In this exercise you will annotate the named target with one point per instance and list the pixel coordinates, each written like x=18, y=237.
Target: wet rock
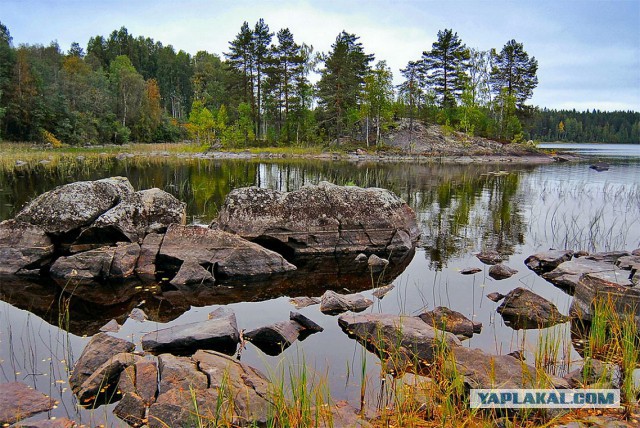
x=403, y=337
x=98, y=351
x=138, y=314
x=454, y=322
x=104, y=377
x=125, y=257
x=376, y=264
x=631, y=263
x=192, y=272
x=303, y=302
x=501, y=271
x=179, y=373
x=486, y=371
x=87, y=266
x=470, y=271
x=146, y=265
x=274, y=338
x=361, y=258
x=547, y=260
x=495, y=296
x=217, y=333
x=523, y=309
x=307, y=324
x=380, y=292
x=48, y=423
x=592, y=373
x=131, y=409
x=600, y=166
x=490, y=257
x=74, y=205
x=607, y=256
x=334, y=303
x=23, y=246
x=567, y=274
x=321, y=219
x=19, y=401
x=611, y=280
x=110, y=327
x=136, y=215
x=228, y=254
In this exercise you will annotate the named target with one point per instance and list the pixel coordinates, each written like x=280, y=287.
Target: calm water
x=514, y=209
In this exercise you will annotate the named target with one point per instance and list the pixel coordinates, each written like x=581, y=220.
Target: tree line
x=124, y=88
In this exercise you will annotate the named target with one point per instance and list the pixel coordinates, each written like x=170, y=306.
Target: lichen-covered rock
x=548, y=260
x=74, y=205
x=135, y=216
x=225, y=253
x=454, y=322
x=334, y=303
x=523, y=309
x=23, y=246
x=87, y=266
x=321, y=219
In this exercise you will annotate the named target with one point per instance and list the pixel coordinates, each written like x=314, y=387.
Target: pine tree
x=261, y=41
x=445, y=66
x=514, y=71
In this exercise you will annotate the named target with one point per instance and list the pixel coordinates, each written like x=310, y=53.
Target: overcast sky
x=588, y=51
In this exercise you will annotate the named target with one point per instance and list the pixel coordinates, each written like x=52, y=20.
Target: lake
x=462, y=209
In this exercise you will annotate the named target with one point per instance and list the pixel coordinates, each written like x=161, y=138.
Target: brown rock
x=23, y=246
x=490, y=257
x=454, y=322
x=501, y=271
x=48, y=423
x=125, y=258
x=146, y=265
x=147, y=380
x=192, y=272
x=274, y=338
x=523, y=309
x=548, y=260
x=495, y=296
x=470, y=271
x=131, y=409
x=105, y=377
x=19, y=401
x=303, y=302
x=334, y=303
x=180, y=373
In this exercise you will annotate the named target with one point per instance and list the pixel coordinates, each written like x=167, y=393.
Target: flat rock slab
x=500, y=271
x=74, y=205
x=321, y=219
x=408, y=337
x=454, y=322
x=470, y=271
x=227, y=254
x=218, y=333
x=23, y=246
x=274, y=338
x=333, y=303
x=567, y=274
x=19, y=401
x=48, y=423
x=303, y=302
x=522, y=309
x=548, y=260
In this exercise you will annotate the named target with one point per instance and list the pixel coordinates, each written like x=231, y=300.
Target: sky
x=588, y=51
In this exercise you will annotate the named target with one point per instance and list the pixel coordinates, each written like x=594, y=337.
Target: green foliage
x=514, y=72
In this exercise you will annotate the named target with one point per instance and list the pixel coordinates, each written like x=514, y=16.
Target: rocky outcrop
x=219, y=333
x=116, y=262
x=226, y=254
x=523, y=309
x=23, y=247
x=567, y=274
x=74, y=205
x=19, y=401
x=333, y=303
x=547, y=261
x=454, y=322
x=321, y=219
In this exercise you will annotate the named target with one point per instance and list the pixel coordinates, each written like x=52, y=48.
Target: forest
x=269, y=89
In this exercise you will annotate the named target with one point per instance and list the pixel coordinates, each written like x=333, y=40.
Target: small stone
x=361, y=258
x=334, y=303
x=110, y=327
x=470, y=271
x=376, y=263
x=380, y=292
x=489, y=257
x=500, y=271
x=303, y=302
x=495, y=296
x=138, y=315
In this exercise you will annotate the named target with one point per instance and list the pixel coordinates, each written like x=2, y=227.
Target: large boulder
x=116, y=262
x=219, y=333
x=523, y=309
x=23, y=247
x=105, y=377
x=74, y=205
x=403, y=339
x=548, y=260
x=321, y=219
x=138, y=214
x=225, y=253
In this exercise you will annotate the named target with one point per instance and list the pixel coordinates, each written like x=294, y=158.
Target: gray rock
x=131, y=409
x=380, y=292
x=192, y=272
x=608, y=256
x=74, y=205
x=303, y=302
x=107, y=375
x=567, y=274
x=146, y=265
x=307, y=324
x=110, y=327
x=228, y=254
x=376, y=264
x=179, y=373
x=361, y=258
x=125, y=257
x=19, y=401
x=136, y=215
x=501, y=271
x=217, y=333
x=23, y=246
x=523, y=309
x=600, y=166
x=548, y=260
x=321, y=219
x=454, y=322
x=86, y=266
x=470, y=271
x=490, y=257
x=406, y=337
x=274, y=338
x=334, y=303
x=495, y=296
x=631, y=263
x=138, y=314
x=592, y=373
x=98, y=351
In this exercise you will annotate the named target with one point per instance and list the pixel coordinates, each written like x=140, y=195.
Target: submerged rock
x=454, y=322
x=334, y=303
x=548, y=260
x=19, y=401
x=321, y=219
x=23, y=247
x=523, y=309
x=74, y=205
x=225, y=253
x=600, y=166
